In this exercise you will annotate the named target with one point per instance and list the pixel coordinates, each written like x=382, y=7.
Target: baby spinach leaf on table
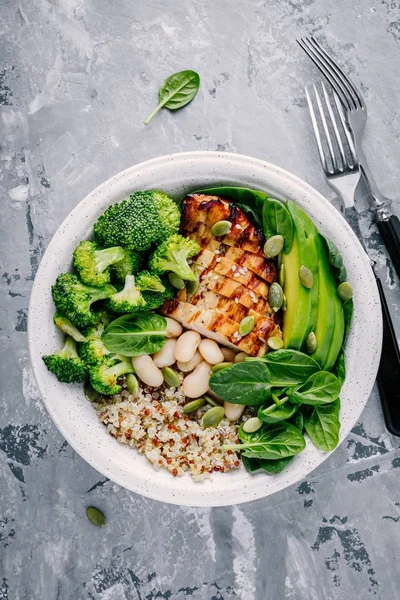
x=136, y=334
x=321, y=388
x=276, y=412
x=177, y=90
x=297, y=421
x=340, y=367
x=270, y=442
x=243, y=383
x=277, y=221
x=271, y=467
x=323, y=426
x=289, y=367
x=335, y=259
x=250, y=201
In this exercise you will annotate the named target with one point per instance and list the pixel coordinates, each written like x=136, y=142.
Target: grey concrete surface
x=77, y=79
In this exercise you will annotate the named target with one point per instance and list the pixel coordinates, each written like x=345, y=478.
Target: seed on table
x=211, y=352
x=228, y=353
x=171, y=377
x=311, y=343
x=252, y=425
x=95, y=516
x=233, y=412
x=213, y=416
x=193, y=406
x=176, y=281
x=187, y=345
x=132, y=383
x=273, y=246
x=220, y=366
x=306, y=277
x=275, y=297
x=211, y=401
x=240, y=357
x=275, y=342
x=221, y=228
x=345, y=291
x=246, y=326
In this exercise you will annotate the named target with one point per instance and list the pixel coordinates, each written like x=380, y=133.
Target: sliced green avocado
x=338, y=333
x=300, y=316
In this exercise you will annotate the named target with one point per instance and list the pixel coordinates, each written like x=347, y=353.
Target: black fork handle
x=390, y=232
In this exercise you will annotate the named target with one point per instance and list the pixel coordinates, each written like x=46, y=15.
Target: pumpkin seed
x=171, y=377
x=306, y=277
x=282, y=275
x=275, y=342
x=211, y=401
x=311, y=343
x=193, y=406
x=193, y=286
x=90, y=393
x=221, y=228
x=275, y=297
x=246, y=325
x=213, y=416
x=95, y=516
x=345, y=291
x=252, y=425
x=273, y=246
x=132, y=383
x=176, y=281
x=220, y=366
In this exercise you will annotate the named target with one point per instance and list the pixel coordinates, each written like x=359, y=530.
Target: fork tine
x=347, y=131
x=317, y=135
x=334, y=124
x=346, y=79
x=326, y=130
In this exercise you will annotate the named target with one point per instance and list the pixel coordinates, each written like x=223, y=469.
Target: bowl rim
x=206, y=500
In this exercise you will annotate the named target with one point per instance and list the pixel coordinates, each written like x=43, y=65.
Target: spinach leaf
x=136, y=334
x=271, y=467
x=323, y=426
x=177, y=90
x=321, y=388
x=348, y=308
x=250, y=201
x=289, y=367
x=277, y=220
x=277, y=412
x=340, y=367
x=243, y=383
x=336, y=260
x=297, y=421
x=270, y=442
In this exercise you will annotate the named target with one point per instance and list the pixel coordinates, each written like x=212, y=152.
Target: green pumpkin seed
x=275, y=297
x=220, y=366
x=176, y=281
x=252, y=425
x=311, y=343
x=282, y=275
x=345, y=291
x=213, y=416
x=171, y=377
x=193, y=406
x=275, y=342
x=221, y=228
x=95, y=516
x=306, y=277
x=193, y=286
x=90, y=393
x=211, y=401
x=246, y=326
x=273, y=246
x=132, y=383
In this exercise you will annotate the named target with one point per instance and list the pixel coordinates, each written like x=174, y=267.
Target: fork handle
x=390, y=232
x=389, y=369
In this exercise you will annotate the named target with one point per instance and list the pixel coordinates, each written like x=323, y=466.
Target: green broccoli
x=73, y=299
x=93, y=262
x=66, y=364
x=129, y=265
x=172, y=255
x=133, y=224
x=169, y=215
x=129, y=299
x=68, y=328
x=93, y=351
x=104, y=376
x=156, y=299
x=147, y=281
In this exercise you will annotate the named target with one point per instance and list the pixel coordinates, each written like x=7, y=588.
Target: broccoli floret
x=172, y=255
x=104, y=376
x=66, y=364
x=129, y=299
x=93, y=262
x=93, y=351
x=129, y=265
x=147, y=281
x=133, y=224
x=73, y=299
x=169, y=214
x=68, y=328
x=156, y=299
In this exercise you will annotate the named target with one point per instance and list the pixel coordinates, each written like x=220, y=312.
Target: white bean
x=240, y=357
x=166, y=356
x=196, y=384
x=174, y=329
x=187, y=345
x=233, y=411
x=229, y=354
x=147, y=371
x=186, y=367
x=211, y=352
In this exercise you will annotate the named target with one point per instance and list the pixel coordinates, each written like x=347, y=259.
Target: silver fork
x=356, y=113
x=340, y=165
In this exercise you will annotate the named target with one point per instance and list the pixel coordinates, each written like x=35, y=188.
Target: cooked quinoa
x=152, y=421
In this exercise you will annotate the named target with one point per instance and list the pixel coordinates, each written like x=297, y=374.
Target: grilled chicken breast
x=234, y=278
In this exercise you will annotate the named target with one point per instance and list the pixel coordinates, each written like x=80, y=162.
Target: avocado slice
x=338, y=333
x=301, y=312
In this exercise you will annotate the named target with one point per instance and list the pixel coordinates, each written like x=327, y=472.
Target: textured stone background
x=77, y=79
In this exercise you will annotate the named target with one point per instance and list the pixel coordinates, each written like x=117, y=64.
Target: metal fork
x=340, y=165
x=356, y=113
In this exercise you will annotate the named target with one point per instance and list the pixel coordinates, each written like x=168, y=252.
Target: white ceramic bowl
x=73, y=414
